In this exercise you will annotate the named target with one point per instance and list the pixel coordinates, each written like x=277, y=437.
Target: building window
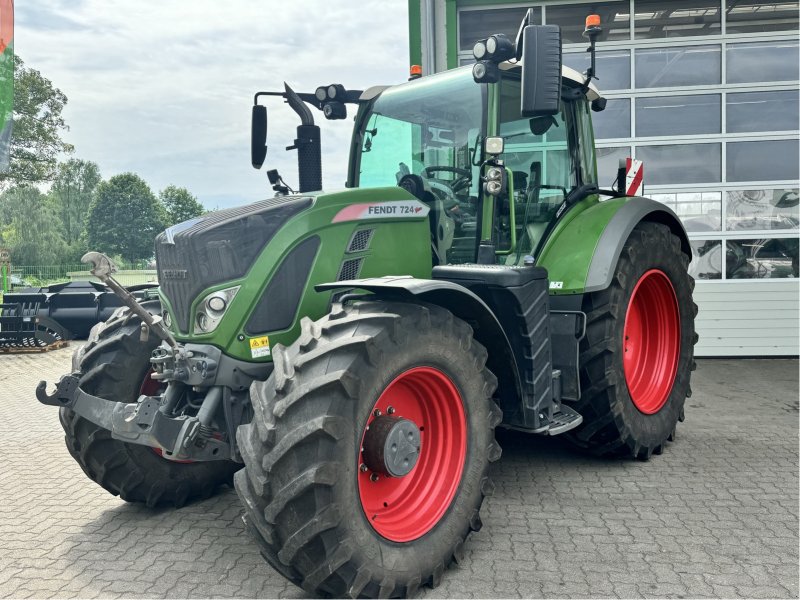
x=762, y=210
x=763, y=61
x=761, y=258
x=678, y=115
x=676, y=18
x=767, y=160
x=477, y=24
x=615, y=18
x=608, y=163
x=757, y=16
x=706, y=259
x=614, y=121
x=613, y=67
x=681, y=163
x=763, y=111
x=677, y=66
x=699, y=211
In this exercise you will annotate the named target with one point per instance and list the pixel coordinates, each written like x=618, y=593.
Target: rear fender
x=582, y=253
x=465, y=305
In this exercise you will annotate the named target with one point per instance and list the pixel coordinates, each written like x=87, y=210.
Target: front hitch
x=141, y=422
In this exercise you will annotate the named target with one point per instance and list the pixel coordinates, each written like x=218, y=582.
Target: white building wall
x=748, y=318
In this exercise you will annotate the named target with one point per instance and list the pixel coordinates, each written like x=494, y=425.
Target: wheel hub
x=391, y=446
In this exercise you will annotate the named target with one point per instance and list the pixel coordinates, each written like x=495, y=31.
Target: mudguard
x=465, y=305
x=582, y=252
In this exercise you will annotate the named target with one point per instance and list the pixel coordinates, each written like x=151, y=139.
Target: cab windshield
x=431, y=128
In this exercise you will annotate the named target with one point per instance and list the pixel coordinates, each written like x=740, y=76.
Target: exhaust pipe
x=307, y=144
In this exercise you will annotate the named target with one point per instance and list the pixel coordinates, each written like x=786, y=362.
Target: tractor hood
x=217, y=247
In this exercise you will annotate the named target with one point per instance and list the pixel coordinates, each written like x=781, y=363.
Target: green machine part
x=399, y=245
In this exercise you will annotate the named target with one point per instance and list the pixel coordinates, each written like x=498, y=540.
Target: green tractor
x=344, y=358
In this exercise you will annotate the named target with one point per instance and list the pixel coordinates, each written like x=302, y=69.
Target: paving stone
x=715, y=516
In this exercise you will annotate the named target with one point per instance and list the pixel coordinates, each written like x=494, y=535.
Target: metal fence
x=40, y=276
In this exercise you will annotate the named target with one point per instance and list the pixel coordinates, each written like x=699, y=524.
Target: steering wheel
x=462, y=181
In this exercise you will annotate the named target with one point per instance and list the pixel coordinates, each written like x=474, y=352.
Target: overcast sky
x=164, y=89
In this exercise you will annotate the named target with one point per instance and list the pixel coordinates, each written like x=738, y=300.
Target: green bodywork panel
x=568, y=252
x=399, y=246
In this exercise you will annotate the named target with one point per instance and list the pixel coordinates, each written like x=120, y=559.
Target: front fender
x=465, y=305
x=582, y=252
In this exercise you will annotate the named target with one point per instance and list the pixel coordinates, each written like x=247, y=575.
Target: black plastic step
x=563, y=421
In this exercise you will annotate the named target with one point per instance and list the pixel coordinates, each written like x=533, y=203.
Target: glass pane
x=763, y=61
x=613, y=68
x=681, y=163
x=690, y=65
x=476, y=24
x=676, y=18
x=763, y=111
x=761, y=259
x=699, y=211
x=430, y=128
x=772, y=160
x=615, y=18
x=614, y=121
x=676, y=115
x=762, y=209
x=757, y=16
x=608, y=163
x=706, y=259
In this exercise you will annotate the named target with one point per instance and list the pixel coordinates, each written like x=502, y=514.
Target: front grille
x=360, y=240
x=217, y=247
x=350, y=269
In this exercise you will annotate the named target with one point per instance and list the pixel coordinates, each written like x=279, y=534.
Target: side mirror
x=258, y=136
x=541, y=70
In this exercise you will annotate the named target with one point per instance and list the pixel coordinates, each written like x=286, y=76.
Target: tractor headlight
x=493, y=188
x=494, y=174
x=479, y=50
x=213, y=308
x=494, y=181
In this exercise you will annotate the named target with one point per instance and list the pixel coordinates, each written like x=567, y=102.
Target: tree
x=30, y=227
x=36, y=140
x=124, y=218
x=180, y=204
x=72, y=191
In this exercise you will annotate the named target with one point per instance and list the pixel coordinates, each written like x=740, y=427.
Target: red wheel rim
x=402, y=509
x=652, y=338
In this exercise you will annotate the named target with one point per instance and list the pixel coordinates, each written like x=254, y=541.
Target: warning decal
x=397, y=209
x=259, y=346
x=634, y=175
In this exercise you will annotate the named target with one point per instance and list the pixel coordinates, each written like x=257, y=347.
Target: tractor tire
x=115, y=365
x=322, y=517
x=638, y=353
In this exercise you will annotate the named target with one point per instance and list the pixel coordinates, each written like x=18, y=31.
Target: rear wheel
x=115, y=365
x=366, y=462
x=638, y=352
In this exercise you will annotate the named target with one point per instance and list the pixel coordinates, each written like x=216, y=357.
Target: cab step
x=562, y=421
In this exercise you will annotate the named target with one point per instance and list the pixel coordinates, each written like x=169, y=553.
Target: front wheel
x=115, y=365
x=638, y=353
x=366, y=462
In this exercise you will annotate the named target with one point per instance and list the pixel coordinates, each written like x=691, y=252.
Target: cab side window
x=536, y=150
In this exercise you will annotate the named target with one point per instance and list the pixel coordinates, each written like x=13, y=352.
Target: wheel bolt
x=363, y=468
x=377, y=412
x=373, y=477
x=390, y=410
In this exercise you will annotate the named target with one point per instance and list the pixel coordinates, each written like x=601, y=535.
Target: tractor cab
x=429, y=137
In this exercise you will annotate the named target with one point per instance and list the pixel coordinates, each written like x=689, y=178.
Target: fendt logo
x=398, y=209
x=175, y=274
